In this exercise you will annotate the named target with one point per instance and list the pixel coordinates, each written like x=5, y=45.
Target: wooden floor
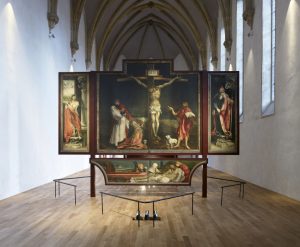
x=263, y=218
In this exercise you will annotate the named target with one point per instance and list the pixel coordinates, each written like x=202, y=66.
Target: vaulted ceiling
x=148, y=29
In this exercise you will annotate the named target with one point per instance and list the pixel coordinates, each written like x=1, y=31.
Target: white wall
x=180, y=63
x=29, y=66
x=119, y=63
x=93, y=57
x=80, y=64
x=270, y=147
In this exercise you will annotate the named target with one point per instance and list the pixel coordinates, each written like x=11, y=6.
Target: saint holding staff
x=222, y=114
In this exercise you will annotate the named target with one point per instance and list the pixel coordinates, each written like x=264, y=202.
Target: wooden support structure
x=93, y=178
x=204, y=180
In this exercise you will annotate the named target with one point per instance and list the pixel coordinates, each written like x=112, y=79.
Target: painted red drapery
x=224, y=117
x=185, y=123
x=72, y=121
x=136, y=140
x=186, y=171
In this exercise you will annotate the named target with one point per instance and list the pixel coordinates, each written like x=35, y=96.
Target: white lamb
x=170, y=141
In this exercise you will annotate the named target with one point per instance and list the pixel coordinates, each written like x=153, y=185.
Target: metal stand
x=145, y=202
x=59, y=181
x=237, y=183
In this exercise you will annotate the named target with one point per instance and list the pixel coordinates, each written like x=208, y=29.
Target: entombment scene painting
x=148, y=171
x=223, y=113
x=74, y=109
x=148, y=109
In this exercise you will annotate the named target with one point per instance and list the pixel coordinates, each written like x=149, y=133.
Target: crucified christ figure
x=154, y=95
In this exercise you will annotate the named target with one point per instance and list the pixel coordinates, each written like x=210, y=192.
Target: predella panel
x=141, y=171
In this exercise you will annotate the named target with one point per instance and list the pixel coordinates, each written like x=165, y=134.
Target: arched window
x=210, y=66
x=268, y=57
x=240, y=52
x=222, y=49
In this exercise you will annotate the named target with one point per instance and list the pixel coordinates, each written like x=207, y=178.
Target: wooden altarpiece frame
x=207, y=112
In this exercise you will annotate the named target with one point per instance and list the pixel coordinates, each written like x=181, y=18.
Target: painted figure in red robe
x=124, y=111
x=185, y=123
x=72, y=121
x=185, y=169
x=136, y=140
x=222, y=114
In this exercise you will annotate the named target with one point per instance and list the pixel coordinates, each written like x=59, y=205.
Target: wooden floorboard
x=262, y=218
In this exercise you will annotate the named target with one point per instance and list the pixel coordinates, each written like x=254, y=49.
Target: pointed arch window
x=268, y=57
x=222, y=50
x=240, y=52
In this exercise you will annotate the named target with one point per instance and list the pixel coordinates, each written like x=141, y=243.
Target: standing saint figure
x=121, y=118
x=185, y=123
x=222, y=114
x=72, y=120
x=154, y=92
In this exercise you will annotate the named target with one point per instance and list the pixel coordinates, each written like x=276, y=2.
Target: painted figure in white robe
x=121, y=124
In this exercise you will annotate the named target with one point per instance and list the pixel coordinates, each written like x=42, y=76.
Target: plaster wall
x=269, y=147
x=29, y=66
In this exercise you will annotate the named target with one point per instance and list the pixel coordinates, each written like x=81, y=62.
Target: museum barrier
x=237, y=183
x=138, y=217
x=57, y=183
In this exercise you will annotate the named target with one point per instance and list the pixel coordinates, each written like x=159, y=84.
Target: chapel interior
x=249, y=197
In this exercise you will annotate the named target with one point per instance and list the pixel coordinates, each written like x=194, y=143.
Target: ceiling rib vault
x=123, y=27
